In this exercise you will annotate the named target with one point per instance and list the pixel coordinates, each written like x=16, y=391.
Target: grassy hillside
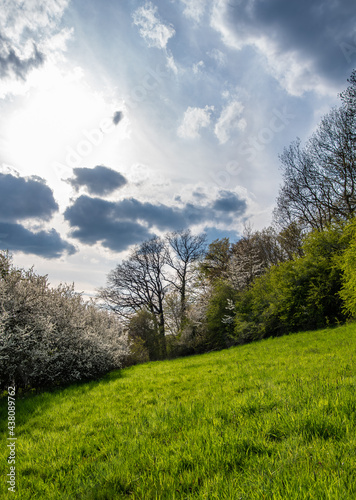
x=275, y=420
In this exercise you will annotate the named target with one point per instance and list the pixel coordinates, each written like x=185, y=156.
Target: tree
x=138, y=283
x=348, y=96
x=219, y=328
x=320, y=178
x=299, y=294
x=144, y=345
x=50, y=336
x=216, y=262
x=347, y=262
x=184, y=250
x=290, y=241
x=245, y=264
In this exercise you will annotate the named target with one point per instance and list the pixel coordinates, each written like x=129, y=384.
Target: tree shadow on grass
x=30, y=400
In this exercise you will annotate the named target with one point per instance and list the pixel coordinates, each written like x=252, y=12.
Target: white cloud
x=30, y=36
x=154, y=31
x=194, y=8
x=229, y=120
x=197, y=67
x=218, y=56
x=296, y=75
x=171, y=64
x=194, y=119
x=18, y=17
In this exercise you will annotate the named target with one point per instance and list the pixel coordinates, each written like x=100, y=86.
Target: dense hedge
x=50, y=336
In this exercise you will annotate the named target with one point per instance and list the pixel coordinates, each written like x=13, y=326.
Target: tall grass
x=270, y=420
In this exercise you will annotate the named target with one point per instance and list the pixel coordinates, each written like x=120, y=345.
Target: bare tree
x=320, y=178
x=138, y=284
x=348, y=96
x=184, y=250
x=246, y=262
x=256, y=251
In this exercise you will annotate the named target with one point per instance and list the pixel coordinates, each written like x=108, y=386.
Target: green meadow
x=271, y=420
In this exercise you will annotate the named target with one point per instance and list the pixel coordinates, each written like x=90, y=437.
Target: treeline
x=178, y=297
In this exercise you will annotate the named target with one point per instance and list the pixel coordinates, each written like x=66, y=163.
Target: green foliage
x=274, y=419
x=219, y=316
x=216, y=260
x=143, y=337
x=296, y=295
x=347, y=263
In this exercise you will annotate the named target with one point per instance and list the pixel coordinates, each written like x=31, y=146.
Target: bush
x=50, y=336
x=296, y=295
x=347, y=263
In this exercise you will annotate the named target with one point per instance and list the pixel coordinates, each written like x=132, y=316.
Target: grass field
x=270, y=420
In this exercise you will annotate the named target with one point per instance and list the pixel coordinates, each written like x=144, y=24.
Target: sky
x=121, y=120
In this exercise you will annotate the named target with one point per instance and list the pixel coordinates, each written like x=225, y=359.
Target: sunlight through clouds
x=158, y=111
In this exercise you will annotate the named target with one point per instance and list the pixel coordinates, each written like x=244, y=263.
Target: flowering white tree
x=50, y=336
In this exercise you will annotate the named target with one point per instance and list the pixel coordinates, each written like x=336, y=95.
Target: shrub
x=347, y=263
x=296, y=295
x=50, y=336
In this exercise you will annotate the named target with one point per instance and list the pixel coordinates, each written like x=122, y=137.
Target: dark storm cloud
x=99, y=180
x=118, y=116
x=317, y=30
x=230, y=202
x=46, y=244
x=117, y=225
x=96, y=221
x=11, y=63
x=22, y=198
x=162, y=216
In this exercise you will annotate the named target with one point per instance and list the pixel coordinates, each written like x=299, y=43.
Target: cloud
x=199, y=195
x=117, y=225
x=28, y=198
x=229, y=120
x=96, y=221
x=193, y=120
x=30, y=31
x=218, y=56
x=300, y=41
x=46, y=244
x=19, y=19
x=118, y=116
x=198, y=67
x=24, y=198
x=152, y=29
x=99, y=180
x=171, y=64
x=11, y=63
x=230, y=202
x=194, y=9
